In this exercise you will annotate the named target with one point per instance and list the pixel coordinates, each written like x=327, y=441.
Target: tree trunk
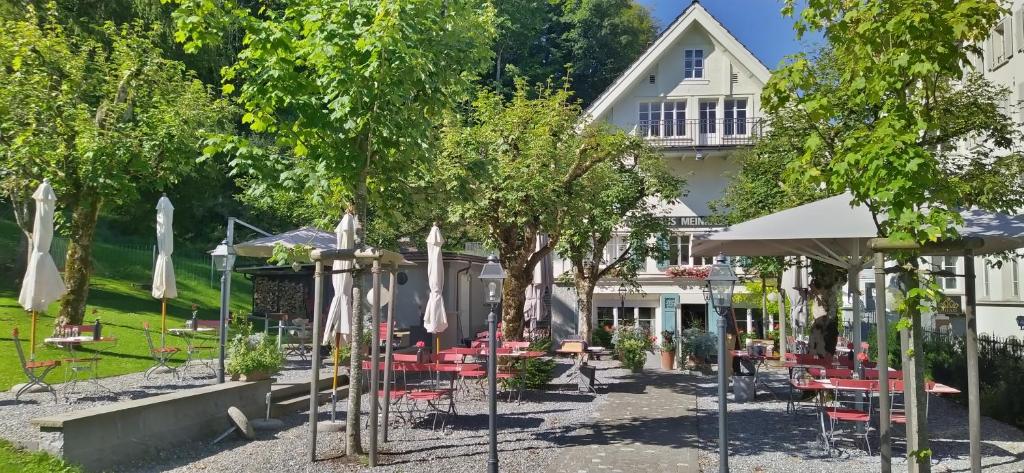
x=585, y=291
x=826, y=283
x=512, y=300
x=913, y=369
x=78, y=263
x=353, y=438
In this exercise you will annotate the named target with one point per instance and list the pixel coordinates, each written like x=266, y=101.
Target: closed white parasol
x=42, y=284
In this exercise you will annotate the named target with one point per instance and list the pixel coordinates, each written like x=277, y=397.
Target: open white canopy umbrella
x=263, y=247
x=164, y=285
x=434, y=319
x=42, y=284
x=339, y=316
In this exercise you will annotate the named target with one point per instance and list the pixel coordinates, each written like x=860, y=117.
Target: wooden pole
x=913, y=387
x=388, y=349
x=163, y=322
x=314, y=383
x=882, y=323
x=32, y=339
x=374, y=362
x=973, y=390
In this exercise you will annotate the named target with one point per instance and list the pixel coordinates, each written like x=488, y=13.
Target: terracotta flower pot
x=668, y=359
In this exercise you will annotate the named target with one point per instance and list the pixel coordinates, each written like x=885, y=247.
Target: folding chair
x=849, y=404
x=30, y=367
x=432, y=396
x=161, y=355
x=199, y=345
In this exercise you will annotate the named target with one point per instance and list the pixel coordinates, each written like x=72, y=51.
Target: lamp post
x=1020, y=321
x=622, y=301
x=223, y=261
x=492, y=275
x=720, y=284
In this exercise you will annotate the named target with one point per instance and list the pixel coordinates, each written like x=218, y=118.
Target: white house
x=695, y=95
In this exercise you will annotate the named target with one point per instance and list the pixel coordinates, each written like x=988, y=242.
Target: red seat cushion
x=394, y=394
x=80, y=360
x=427, y=395
x=847, y=415
x=42, y=364
x=166, y=350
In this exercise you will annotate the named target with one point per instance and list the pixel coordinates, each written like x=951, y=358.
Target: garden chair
x=515, y=345
x=200, y=346
x=841, y=373
x=848, y=405
x=870, y=373
x=161, y=355
x=293, y=337
x=427, y=396
x=30, y=367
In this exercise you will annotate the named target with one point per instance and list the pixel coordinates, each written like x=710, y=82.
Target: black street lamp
x=492, y=276
x=622, y=301
x=223, y=261
x=720, y=284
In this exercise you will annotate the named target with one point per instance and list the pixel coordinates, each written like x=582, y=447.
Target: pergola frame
x=375, y=259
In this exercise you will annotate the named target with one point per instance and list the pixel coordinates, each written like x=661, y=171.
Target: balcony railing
x=692, y=133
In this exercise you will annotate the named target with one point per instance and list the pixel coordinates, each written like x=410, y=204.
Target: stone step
x=301, y=403
x=284, y=391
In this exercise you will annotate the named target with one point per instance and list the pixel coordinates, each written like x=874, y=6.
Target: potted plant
x=632, y=344
x=698, y=345
x=668, y=350
x=252, y=356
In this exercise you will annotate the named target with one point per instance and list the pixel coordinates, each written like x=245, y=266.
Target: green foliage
x=250, y=352
x=668, y=341
x=601, y=337
x=517, y=168
x=536, y=372
x=13, y=460
x=697, y=343
x=589, y=41
x=632, y=344
x=284, y=255
x=343, y=96
x=895, y=358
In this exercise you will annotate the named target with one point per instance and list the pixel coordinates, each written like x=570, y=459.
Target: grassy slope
x=13, y=460
x=122, y=307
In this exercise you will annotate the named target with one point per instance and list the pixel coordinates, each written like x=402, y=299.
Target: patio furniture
x=873, y=374
x=30, y=367
x=295, y=337
x=75, y=365
x=576, y=349
x=848, y=405
x=829, y=373
x=197, y=342
x=515, y=345
x=161, y=355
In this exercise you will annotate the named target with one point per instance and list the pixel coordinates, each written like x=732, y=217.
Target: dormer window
x=693, y=64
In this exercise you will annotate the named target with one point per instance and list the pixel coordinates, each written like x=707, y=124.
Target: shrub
x=250, y=352
x=537, y=372
x=632, y=343
x=698, y=343
x=601, y=337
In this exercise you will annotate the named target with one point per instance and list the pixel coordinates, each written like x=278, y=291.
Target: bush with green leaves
x=250, y=352
x=601, y=337
x=697, y=343
x=668, y=341
x=632, y=343
x=536, y=372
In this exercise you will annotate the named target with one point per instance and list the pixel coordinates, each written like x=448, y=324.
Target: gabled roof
x=695, y=13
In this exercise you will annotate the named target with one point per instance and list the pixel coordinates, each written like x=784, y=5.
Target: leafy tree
x=604, y=37
x=589, y=41
x=103, y=120
x=622, y=195
x=342, y=97
x=516, y=169
x=888, y=125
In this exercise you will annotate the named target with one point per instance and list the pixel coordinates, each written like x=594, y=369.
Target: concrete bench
x=101, y=438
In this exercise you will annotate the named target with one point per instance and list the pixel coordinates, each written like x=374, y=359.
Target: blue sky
x=756, y=23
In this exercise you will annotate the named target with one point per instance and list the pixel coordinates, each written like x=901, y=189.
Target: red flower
x=862, y=357
x=864, y=345
x=420, y=344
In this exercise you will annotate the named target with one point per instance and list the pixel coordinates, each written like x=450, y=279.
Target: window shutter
x=1018, y=28
x=1008, y=35
x=663, y=244
x=989, y=58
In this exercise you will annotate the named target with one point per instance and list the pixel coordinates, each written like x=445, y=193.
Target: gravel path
x=764, y=438
x=528, y=431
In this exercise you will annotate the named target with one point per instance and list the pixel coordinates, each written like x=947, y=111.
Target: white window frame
x=673, y=114
x=693, y=63
x=731, y=122
x=986, y=279
x=677, y=240
x=1015, y=278
x=944, y=263
x=707, y=116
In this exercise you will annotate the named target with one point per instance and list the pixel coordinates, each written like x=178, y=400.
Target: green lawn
x=13, y=460
x=122, y=305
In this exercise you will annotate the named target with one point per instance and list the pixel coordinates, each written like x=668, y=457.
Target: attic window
x=693, y=63
x=650, y=78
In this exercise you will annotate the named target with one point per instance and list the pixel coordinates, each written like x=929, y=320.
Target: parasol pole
x=32, y=341
x=163, y=322
x=334, y=385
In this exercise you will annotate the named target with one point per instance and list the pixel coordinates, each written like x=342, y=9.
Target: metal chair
x=75, y=366
x=161, y=355
x=30, y=367
x=849, y=404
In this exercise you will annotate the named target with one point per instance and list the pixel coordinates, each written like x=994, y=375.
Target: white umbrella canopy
x=339, y=316
x=42, y=284
x=263, y=247
x=434, y=318
x=164, y=285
